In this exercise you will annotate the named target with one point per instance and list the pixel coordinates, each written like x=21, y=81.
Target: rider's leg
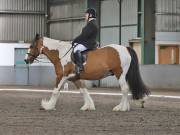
x=79, y=47
x=78, y=57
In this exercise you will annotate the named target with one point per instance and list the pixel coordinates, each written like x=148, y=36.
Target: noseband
x=29, y=54
x=34, y=56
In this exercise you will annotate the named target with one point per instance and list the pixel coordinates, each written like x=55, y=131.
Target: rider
x=86, y=40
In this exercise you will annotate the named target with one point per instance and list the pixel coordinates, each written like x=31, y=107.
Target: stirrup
x=78, y=69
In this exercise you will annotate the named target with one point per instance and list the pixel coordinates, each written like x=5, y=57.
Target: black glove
x=73, y=44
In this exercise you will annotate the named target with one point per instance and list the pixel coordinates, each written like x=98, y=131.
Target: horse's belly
x=93, y=76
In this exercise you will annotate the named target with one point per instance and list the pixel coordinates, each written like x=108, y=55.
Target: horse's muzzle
x=26, y=61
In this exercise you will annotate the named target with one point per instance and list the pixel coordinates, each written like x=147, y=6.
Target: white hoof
x=87, y=107
x=122, y=107
x=47, y=105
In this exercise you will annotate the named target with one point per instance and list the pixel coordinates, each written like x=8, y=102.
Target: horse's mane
x=61, y=46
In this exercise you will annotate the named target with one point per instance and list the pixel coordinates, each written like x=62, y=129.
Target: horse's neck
x=52, y=55
x=61, y=46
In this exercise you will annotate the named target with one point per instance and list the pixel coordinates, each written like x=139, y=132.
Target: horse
x=111, y=59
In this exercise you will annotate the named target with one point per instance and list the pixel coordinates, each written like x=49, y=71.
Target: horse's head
x=34, y=49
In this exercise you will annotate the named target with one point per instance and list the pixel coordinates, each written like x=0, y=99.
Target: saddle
x=84, y=55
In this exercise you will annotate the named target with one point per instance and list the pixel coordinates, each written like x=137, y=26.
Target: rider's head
x=90, y=13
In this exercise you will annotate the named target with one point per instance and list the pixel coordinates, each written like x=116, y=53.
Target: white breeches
x=79, y=47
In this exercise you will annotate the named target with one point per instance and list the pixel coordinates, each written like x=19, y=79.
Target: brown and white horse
x=117, y=59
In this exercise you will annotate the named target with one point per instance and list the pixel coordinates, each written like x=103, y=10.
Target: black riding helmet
x=91, y=11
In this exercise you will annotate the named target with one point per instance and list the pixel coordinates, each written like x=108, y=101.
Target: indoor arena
x=89, y=67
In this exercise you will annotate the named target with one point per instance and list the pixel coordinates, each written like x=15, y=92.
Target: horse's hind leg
x=88, y=102
x=124, y=104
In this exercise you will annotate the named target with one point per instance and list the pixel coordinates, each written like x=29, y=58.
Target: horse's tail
x=133, y=77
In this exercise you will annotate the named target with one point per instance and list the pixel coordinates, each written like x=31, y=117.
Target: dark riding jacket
x=88, y=35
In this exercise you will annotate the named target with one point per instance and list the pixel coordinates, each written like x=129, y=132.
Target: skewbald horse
x=117, y=59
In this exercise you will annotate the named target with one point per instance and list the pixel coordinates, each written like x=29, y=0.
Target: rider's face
x=86, y=17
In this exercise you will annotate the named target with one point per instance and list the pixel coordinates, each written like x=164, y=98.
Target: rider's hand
x=73, y=43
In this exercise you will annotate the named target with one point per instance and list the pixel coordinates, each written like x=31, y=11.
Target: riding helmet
x=91, y=11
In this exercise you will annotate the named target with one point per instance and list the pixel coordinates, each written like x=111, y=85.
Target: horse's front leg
x=88, y=101
x=51, y=103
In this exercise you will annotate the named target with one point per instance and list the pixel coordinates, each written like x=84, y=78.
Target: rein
x=35, y=58
x=39, y=61
x=66, y=53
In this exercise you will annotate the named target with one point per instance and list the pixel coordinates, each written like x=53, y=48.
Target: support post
x=147, y=31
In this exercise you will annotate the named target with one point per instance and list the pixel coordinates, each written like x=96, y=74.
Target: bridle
x=29, y=54
x=35, y=56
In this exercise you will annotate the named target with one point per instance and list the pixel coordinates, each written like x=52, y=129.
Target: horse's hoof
x=41, y=108
x=117, y=109
x=121, y=108
x=87, y=108
x=47, y=105
x=142, y=104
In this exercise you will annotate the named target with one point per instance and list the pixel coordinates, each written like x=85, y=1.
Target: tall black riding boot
x=79, y=62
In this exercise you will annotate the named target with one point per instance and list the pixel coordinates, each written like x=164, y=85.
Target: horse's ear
x=37, y=37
